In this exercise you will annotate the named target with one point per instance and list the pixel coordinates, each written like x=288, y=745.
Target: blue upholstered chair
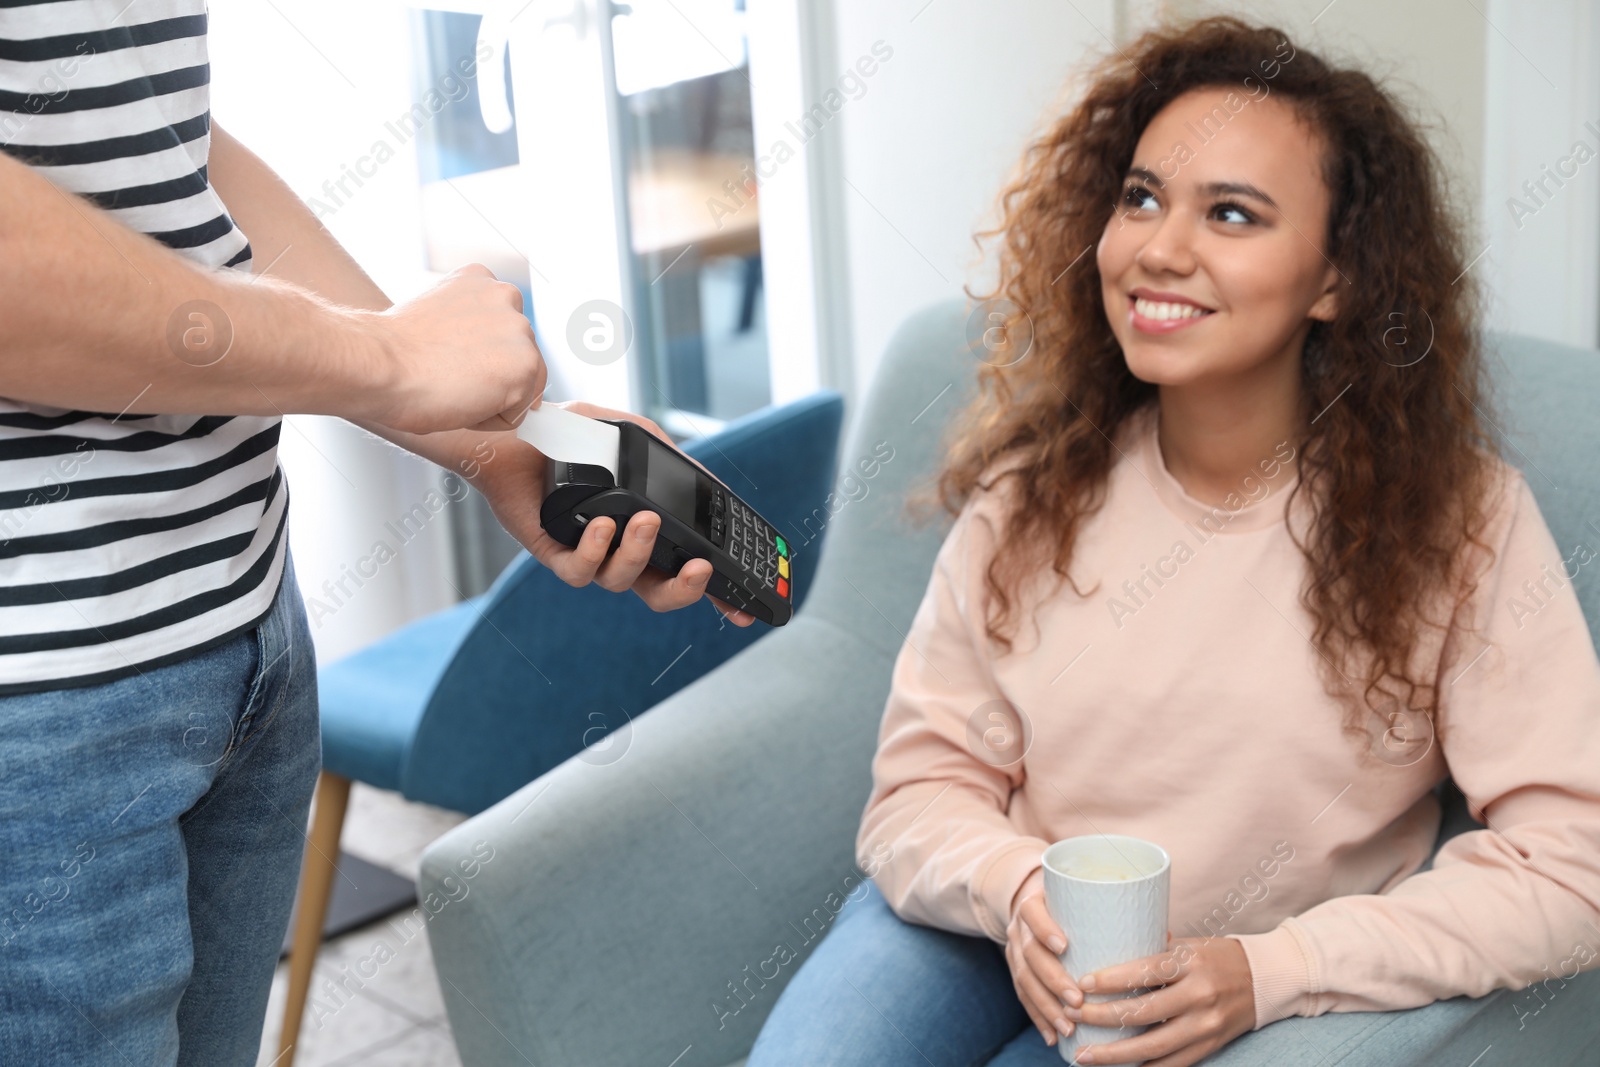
x=462, y=707
x=619, y=911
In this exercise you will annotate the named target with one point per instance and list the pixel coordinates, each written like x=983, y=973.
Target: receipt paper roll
x=572, y=438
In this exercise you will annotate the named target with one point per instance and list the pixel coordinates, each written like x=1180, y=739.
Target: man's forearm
x=290, y=243
x=102, y=318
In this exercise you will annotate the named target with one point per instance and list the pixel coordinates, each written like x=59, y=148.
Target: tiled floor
x=396, y=1018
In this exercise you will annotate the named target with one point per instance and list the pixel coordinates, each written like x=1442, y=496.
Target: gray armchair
x=627, y=898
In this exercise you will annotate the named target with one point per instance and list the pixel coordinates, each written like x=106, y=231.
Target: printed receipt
x=572, y=438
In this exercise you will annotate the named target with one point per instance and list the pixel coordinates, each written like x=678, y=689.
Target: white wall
x=1543, y=127
x=927, y=148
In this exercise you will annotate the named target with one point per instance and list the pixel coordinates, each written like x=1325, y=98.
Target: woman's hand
x=513, y=482
x=1033, y=944
x=1205, y=1000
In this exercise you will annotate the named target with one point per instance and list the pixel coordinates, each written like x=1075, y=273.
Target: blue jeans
x=151, y=831
x=881, y=991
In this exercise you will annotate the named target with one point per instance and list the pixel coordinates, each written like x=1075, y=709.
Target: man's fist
x=459, y=356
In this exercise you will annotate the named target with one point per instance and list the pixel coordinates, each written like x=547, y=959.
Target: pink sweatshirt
x=1179, y=702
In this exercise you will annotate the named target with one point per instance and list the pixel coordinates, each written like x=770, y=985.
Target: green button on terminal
x=783, y=546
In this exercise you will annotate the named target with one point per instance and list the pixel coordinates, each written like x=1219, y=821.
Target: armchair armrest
x=636, y=907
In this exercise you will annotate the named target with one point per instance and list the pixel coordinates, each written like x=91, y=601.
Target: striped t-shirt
x=126, y=541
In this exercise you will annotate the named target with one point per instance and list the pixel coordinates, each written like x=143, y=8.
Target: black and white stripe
x=126, y=541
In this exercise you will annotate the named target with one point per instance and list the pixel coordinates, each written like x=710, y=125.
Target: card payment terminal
x=700, y=516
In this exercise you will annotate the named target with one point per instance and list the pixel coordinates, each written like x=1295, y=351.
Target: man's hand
x=461, y=355
x=514, y=483
x=1205, y=999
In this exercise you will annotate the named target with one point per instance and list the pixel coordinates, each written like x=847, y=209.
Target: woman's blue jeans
x=151, y=831
x=881, y=991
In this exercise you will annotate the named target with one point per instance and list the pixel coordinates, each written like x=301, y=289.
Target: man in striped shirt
x=158, y=737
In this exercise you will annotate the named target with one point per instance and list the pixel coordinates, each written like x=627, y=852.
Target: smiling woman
x=1238, y=306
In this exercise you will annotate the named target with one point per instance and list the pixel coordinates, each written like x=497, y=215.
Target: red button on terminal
x=783, y=587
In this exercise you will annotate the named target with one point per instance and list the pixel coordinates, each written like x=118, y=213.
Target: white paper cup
x=1108, y=892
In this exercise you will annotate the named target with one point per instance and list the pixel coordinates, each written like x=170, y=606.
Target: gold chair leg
x=316, y=886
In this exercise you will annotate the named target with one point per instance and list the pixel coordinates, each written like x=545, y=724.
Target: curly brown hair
x=1399, y=470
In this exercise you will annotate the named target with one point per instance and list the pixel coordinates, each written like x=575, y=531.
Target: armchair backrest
x=878, y=557
x=1549, y=399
